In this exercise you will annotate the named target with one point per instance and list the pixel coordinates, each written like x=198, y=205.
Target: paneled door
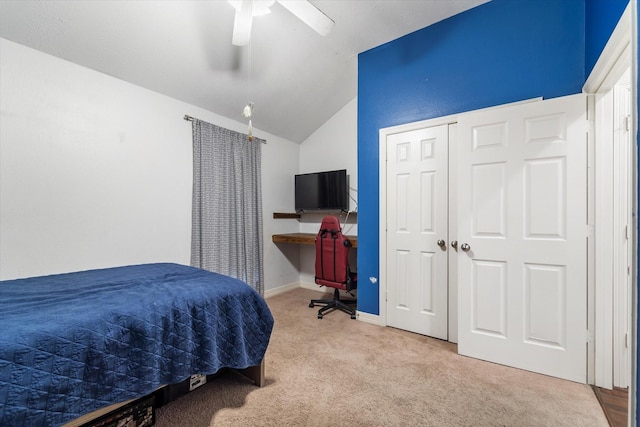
x=522, y=232
x=417, y=221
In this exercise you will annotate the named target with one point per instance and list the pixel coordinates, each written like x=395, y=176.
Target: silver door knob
x=454, y=244
x=465, y=247
x=441, y=243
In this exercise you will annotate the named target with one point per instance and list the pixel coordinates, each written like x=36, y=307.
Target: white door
x=417, y=221
x=522, y=219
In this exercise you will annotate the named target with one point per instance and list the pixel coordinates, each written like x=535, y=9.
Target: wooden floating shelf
x=284, y=215
x=305, y=239
x=289, y=215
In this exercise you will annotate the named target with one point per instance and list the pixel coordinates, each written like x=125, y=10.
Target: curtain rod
x=190, y=119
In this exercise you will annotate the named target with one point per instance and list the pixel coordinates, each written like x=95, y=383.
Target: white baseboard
x=295, y=285
x=374, y=319
x=281, y=289
x=314, y=287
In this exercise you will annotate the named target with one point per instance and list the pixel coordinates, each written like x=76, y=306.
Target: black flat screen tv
x=322, y=191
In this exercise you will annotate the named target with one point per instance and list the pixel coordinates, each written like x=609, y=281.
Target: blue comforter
x=73, y=343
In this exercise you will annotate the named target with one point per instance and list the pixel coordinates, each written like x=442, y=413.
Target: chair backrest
x=332, y=255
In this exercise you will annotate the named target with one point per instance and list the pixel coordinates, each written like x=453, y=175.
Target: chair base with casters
x=335, y=304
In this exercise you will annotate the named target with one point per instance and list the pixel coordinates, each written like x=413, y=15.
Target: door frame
x=615, y=59
x=622, y=241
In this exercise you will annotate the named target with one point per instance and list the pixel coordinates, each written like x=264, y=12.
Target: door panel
x=545, y=182
x=489, y=292
x=488, y=192
x=417, y=217
x=522, y=186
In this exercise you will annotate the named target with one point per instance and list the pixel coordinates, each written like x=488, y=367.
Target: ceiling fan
x=302, y=9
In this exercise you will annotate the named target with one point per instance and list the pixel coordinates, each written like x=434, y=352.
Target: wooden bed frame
x=254, y=373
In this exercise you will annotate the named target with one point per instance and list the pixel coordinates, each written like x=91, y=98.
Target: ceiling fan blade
x=310, y=15
x=242, y=24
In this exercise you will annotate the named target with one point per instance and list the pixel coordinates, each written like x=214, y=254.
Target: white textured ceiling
x=183, y=49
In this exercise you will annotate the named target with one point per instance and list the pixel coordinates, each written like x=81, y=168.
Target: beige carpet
x=342, y=372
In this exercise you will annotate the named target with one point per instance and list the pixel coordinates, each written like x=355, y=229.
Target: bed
x=73, y=343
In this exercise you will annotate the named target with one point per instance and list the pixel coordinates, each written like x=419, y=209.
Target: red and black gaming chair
x=332, y=267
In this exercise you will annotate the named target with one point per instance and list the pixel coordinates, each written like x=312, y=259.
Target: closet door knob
x=465, y=247
x=454, y=244
x=441, y=243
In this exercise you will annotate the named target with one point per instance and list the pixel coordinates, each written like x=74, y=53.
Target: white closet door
x=417, y=219
x=522, y=216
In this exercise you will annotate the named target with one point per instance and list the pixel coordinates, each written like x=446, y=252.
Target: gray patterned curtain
x=226, y=230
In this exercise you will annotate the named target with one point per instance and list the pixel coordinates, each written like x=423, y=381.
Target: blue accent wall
x=601, y=18
x=499, y=52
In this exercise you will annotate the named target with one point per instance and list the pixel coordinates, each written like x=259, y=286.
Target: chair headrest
x=330, y=222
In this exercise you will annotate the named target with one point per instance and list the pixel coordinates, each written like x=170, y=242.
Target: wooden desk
x=305, y=239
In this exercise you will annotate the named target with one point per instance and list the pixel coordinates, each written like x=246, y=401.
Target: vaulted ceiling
x=296, y=78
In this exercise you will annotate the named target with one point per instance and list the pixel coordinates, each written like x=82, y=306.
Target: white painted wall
x=97, y=172
x=332, y=146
